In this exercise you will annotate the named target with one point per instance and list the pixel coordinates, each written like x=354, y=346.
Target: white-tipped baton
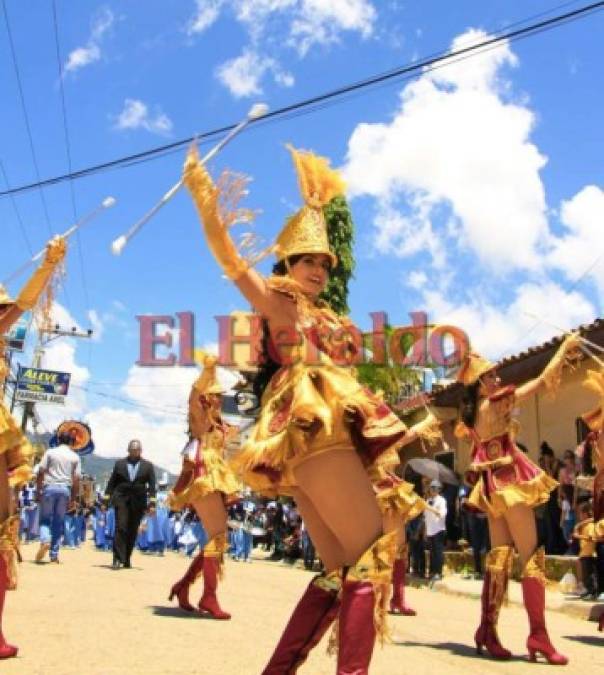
x=107, y=203
x=256, y=111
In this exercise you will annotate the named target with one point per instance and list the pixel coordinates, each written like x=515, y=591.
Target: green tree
x=340, y=232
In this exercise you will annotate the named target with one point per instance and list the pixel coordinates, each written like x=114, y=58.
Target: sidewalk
x=455, y=584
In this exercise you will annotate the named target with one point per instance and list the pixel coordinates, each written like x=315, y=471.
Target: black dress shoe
x=127, y=565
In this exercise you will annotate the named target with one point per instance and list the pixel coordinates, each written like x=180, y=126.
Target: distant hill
x=100, y=467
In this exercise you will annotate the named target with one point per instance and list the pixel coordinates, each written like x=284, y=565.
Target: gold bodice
x=320, y=336
x=495, y=415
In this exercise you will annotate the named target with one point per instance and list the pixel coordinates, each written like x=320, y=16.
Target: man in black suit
x=131, y=484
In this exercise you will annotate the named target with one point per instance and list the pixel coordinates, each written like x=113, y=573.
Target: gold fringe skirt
x=308, y=410
x=530, y=493
x=217, y=476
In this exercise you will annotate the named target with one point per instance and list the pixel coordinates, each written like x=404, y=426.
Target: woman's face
x=312, y=272
x=489, y=383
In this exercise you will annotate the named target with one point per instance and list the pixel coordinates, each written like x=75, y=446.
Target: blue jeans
x=55, y=499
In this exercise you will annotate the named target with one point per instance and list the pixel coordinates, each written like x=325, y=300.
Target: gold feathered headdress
x=306, y=230
x=473, y=367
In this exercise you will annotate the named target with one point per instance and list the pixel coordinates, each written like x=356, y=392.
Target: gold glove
x=428, y=429
x=552, y=374
x=33, y=289
x=205, y=195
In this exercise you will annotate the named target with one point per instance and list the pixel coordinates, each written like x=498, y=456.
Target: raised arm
x=206, y=197
x=33, y=289
x=550, y=377
x=427, y=430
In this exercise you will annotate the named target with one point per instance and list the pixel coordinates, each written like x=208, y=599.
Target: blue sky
x=476, y=189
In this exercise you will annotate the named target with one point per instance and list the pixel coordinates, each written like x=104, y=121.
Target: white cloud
x=498, y=330
x=162, y=440
x=136, y=115
x=91, y=52
x=320, y=22
x=206, y=13
x=456, y=144
x=275, y=25
x=579, y=250
x=243, y=74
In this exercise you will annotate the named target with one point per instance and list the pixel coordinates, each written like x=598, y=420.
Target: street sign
x=38, y=385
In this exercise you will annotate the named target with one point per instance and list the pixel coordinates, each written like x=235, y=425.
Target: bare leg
x=212, y=514
x=337, y=485
x=521, y=524
x=499, y=532
x=329, y=548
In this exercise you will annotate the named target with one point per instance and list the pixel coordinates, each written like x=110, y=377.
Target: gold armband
x=206, y=195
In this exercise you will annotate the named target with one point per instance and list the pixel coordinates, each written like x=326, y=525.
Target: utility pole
x=45, y=335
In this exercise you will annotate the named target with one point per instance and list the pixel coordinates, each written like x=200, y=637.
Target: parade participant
x=507, y=486
x=58, y=484
x=318, y=430
x=207, y=484
x=595, y=421
x=14, y=448
x=399, y=504
x=131, y=489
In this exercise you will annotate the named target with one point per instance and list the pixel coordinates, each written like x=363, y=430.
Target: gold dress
x=504, y=476
x=205, y=470
x=396, y=496
x=315, y=404
x=13, y=442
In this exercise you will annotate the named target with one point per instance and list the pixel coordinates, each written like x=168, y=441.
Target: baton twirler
x=257, y=110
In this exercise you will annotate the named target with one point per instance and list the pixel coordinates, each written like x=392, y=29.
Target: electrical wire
x=17, y=213
x=25, y=115
x=317, y=102
x=69, y=164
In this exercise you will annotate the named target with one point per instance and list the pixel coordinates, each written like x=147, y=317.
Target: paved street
x=83, y=618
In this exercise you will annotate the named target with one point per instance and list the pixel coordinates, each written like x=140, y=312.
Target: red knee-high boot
x=181, y=588
x=7, y=579
x=399, y=573
x=212, y=566
x=498, y=568
x=311, y=618
x=359, y=623
x=533, y=593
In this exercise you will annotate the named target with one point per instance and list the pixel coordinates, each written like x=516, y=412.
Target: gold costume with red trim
x=204, y=468
x=505, y=476
x=316, y=404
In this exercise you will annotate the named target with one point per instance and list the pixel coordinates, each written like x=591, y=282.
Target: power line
x=69, y=164
x=17, y=213
x=25, y=115
x=440, y=59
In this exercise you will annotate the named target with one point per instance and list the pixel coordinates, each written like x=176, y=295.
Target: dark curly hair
x=469, y=404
